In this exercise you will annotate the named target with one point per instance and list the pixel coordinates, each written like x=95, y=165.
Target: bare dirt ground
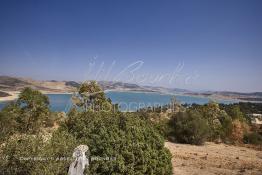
x=212, y=158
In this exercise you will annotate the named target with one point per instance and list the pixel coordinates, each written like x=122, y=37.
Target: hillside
x=251, y=97
x=17, y=84
x=4, y=94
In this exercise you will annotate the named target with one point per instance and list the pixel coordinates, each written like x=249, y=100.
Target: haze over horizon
x=195, y=45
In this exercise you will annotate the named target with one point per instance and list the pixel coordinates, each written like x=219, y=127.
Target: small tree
x=218, y=120
x=91, y=97
x=34, y=110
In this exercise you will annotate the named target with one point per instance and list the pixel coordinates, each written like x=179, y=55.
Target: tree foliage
x=190, y=127
x=253, y=138
x=34, y=154
x=34, y=110
x=125, y=142
x=218, y=120
x=28, y=114
x=90, y=96
x=134, y=144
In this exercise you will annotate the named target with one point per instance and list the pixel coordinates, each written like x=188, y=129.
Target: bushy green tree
x=220, y=123
x=28, y=114
x=190, y=127
x=236, y=113
x=34, y=110
x=132, y=144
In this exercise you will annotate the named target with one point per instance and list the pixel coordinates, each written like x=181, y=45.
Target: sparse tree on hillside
x=91, y=97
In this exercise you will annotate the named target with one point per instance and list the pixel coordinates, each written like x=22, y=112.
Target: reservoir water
x=129, y=100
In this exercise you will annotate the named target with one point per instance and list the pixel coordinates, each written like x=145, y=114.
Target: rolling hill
x=8, y=84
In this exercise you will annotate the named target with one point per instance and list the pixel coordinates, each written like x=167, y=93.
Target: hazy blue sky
x=208, y=45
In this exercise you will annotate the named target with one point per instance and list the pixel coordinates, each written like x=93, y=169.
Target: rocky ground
x=212, y=158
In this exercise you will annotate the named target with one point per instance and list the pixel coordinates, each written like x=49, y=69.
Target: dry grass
x=214, y=158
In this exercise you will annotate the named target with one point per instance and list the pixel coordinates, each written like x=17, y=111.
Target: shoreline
x=134, y=91
x=14, y=95
x=212, y=98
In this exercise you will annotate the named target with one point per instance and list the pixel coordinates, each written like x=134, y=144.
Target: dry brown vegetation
x=211, y=159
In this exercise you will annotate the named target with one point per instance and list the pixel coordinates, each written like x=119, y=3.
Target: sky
x=196, y=45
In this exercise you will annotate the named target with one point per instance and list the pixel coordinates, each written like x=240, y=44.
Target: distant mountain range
x=8, y=84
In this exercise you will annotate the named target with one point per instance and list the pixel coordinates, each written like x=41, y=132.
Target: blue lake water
x=128, y=100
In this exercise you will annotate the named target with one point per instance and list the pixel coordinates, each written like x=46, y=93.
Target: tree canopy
x=124, y=143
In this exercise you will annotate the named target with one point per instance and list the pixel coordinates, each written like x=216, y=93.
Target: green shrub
x=8, y=123
x=163, y=126
x=133, y=142
x=253, y=138
x=190, y=127
x=33, y=155
x=17, y=153
x=132, y=145
x=226, y=127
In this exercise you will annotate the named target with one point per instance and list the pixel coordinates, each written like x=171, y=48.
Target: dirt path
x=214, y=158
